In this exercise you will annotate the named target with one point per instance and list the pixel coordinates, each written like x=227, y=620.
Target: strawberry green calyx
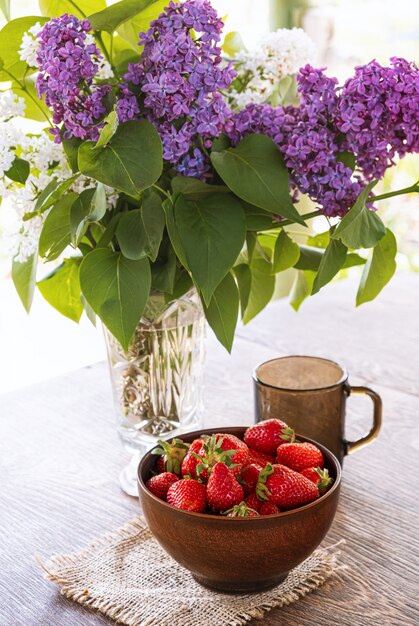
x=173, y=453
x=261, y=489
x=288, y=434
x=325, y=479
x=240, y=510
x=213, y=453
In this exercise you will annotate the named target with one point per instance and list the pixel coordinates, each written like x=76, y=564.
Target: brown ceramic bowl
x=239, y=554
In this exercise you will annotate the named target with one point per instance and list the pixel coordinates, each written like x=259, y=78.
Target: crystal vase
x=157, y=382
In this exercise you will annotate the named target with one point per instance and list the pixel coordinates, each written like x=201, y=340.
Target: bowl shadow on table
x=239, y=555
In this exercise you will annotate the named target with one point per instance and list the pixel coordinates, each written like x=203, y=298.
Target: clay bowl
x=239, y=555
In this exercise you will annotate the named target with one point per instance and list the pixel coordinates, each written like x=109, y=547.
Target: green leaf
x=361, y=227
x=89, y=207
x=109, y=129
x=193, y=188
x=353, y=259
x=62, y=289
x=251, y=241
x=261, y=288
x=35, y=108
x=379, y=268
x=140, y=23
x=255, y=171
x=321, y=240
x=71, y=148
x=5, y=8
x=90, y=314
x=232, y=44
x=331, y=262
x=223, y=310
x=51, y=194
x=10, y=39
x=310, y=258
x=256, y=218
x=286, y=253
x=173, y=231
x=19, y=170
x=110, y=18
x=347, y=158
x=56, y=231
x=163, y=271
x=244, y=281
x=117, y=289
x=78, y=214
x=140, y=231
x=301, y=288
x=183, y=283
x=212, y=232
x=55, y=8
x=130, y=162
x=24, y=279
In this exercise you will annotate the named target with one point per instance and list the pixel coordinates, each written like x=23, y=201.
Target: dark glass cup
x=309, y=393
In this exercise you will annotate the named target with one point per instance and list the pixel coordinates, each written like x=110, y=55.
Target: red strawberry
x=171, y=455
x=190, y=461
x=253, y=501
x=223, y=490
x=226, y=449
x=241, y=510
x=298, y=456
x=269, y=508
x=187, y=494
x=160, y=484
x=267, y=435
x=318, y=476
x=248, y=477
x=260, y=457
x=288, y=489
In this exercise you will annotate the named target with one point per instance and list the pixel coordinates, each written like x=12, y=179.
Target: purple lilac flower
x=309, y=152
x=378, y=112
x=374, y=116
x=127, y=106
x=180, y=75
x=67, y=66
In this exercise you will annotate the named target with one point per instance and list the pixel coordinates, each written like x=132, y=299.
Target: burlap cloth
x=128, y=577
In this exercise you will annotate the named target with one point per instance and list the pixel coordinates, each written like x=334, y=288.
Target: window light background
x=347, y=32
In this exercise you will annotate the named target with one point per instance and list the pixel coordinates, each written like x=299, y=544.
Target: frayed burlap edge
x=62, y=569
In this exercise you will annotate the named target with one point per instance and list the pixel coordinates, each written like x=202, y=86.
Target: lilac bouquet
x=167, y=165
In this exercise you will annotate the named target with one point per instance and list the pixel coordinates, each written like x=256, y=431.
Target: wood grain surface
x=60, y=459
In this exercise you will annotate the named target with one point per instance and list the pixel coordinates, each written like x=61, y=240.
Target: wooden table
x=59, y=462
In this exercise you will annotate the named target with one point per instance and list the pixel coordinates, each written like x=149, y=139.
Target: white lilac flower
x=29, y=46
x=278, y=55
x=11, y=105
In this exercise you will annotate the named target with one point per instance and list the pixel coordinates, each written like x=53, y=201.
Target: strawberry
x=286, y=488
x=160, y=484
x=248, y=477
x=190, y=461
x=188, y=494
x=241, y=510
x=253, y=502
x=299, y=456
x=226, y=449
x=260, y=457
x=318, y=476
x=223, y=490
x=267, y=435
x=269, y=508
x=171, y=455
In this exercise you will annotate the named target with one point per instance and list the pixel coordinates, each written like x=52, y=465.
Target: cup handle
x=353, y=446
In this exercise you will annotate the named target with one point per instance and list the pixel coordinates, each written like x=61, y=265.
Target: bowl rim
x=255, y=519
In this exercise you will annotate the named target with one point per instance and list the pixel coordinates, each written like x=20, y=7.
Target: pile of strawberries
x=269, y=472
